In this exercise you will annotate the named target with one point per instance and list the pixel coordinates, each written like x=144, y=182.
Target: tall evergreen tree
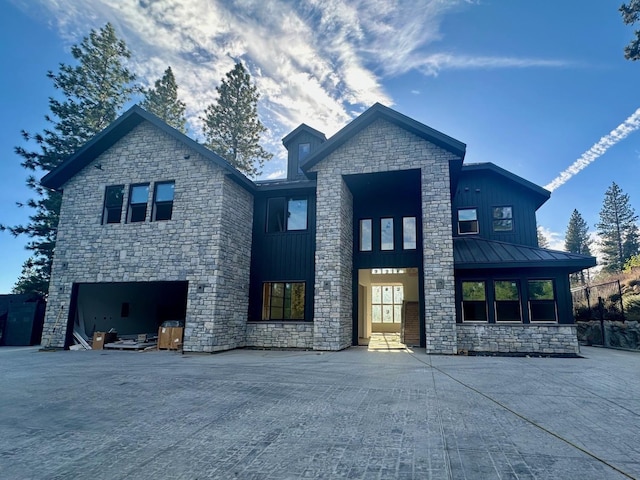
x=231, y=125
x=162, y=100
x=543, y=241
x=93, y=92
x=630, y=15
x=617, y=229
x=577, y=241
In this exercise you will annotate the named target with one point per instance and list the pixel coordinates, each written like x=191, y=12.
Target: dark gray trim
x=380, y=111
x=117, y=130
x=303, y=127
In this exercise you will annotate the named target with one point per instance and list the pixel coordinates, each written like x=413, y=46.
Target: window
x=283, y=301
x=386, y=303
x=138, y=197
x=409, y=234
x=163, y=201
x=286, y=214
x=542, y=301
x=113, y=197
x=502, y=219
x=474, y=302
x=467, y=221
x=507, y=295
x=365, y=235
x=304, y=149
x=386, y=234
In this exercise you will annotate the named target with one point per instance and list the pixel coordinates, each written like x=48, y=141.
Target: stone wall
x=210, y=229
x=549, y=339
x=379, y=147
x=279, y=334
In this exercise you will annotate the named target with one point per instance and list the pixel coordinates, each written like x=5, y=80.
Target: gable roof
x=376, y=112
x=540, y=193
x=471, y=253
x=116, y=131
x=303, y=127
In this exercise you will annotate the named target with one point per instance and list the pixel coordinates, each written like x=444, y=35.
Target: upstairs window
x=409, y=233
x=286, y=214
x=467, y=221
x=138, y=198
x=386, y=234
x=502, y=219
x=304, y=149
x=113, y=197
x=163, y=201
x=365, y=235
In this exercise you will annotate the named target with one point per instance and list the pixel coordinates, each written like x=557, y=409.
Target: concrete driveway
x=251, y=414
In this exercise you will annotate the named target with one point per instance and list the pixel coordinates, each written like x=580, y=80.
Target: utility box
x=100, y=338
x=170, y=338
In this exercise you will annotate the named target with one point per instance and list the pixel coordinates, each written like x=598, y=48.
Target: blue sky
x=529, y=86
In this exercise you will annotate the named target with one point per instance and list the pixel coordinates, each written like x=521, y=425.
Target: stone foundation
x=549, y=339
x=280, y=334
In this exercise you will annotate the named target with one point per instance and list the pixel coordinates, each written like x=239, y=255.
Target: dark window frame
x=414, y=241
x=474, y=304
x=501, y=306
x=536, y=305
x=162, y=210
x=134, y=209
x=496, y=221
x=277, y=220
x=304, y=150
x=361, y=238
x=280, y=308
x=393, y=234
x=463, y=231
x=109, y=210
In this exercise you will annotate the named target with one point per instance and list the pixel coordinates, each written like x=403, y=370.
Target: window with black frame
x=474, y=301
x=163, y=201
x=286, y=214
x=138, y=198
x=502, y=219
x=542, y=301
x=113, y=198
x=283, y=300
x=507, y=300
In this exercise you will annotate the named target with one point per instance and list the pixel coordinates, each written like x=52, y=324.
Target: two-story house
x=380, y=228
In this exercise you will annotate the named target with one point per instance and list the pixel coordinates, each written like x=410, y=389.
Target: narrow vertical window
x=467, y=220
x=542, y=301
x=138, y=198
x=386, y=234
x=409, y=234
x=113, y=197
x=304, y=149
x=474, y=302
x=502, y=219
x=365, y=235
x=297, y=214
x=163, y=201
x=507, y=295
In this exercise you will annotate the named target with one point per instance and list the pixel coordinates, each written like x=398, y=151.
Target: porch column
x=333, y=295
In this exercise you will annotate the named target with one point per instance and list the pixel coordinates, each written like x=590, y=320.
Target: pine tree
x=617, y=229
x=231, y=125
x=577, y=241
x=631, y=15
x=93, y=93
x=162, y=100
x=543, y=241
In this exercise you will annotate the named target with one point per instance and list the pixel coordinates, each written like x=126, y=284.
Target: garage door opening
x=130, y=308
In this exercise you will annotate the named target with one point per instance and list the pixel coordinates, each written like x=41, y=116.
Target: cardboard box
x=100, y=338
x=170, y=338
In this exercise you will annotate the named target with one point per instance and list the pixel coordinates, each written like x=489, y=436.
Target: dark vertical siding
x=292, y=157
x=485, y=190
x=282, y=256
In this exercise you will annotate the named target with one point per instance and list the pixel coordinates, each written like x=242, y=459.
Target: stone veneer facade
x=547, y=339
x=379, y=147
x=206, y=243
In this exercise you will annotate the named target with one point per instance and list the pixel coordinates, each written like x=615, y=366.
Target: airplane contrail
x=627, y=127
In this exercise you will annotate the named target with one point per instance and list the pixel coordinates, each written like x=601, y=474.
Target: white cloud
x=555, y=239
x=319, y=62
x=623, y=130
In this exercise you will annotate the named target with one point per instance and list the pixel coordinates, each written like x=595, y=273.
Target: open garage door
x=128, y=308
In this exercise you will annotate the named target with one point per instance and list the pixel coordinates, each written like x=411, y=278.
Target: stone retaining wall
x=280, y=334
